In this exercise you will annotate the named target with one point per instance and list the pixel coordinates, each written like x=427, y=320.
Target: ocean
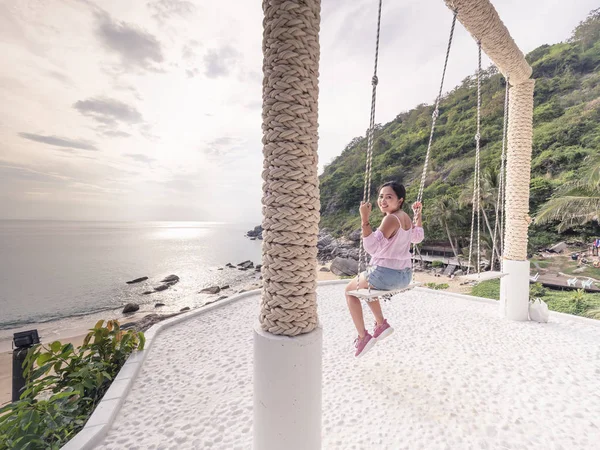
x=53, y=270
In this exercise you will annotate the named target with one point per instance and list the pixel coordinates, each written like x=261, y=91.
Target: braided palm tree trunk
x=480, y=18
x=288, y=340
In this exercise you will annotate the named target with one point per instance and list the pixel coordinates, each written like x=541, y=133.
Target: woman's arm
x=417, y=234
x=417, y=208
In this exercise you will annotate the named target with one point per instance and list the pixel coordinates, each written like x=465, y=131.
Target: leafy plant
x=594, y=314
x=578, y=299
x=437, y=263
x=536, y=290
x=437, y=286
x=63, y=386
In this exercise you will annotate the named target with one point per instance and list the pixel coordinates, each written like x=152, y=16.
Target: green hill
x=566, y=130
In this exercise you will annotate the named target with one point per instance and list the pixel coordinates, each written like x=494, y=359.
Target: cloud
x=164, y=10
x=136, y=47
x=108, y=111
x=12, y=173
x=180, y=185
x=58, y=141
x=111, y=133
x=221, y=146
x=220, y=62
x=191, y=73
x=146, y=131
x=61, y=77
x=140, y=157
x=188, y=52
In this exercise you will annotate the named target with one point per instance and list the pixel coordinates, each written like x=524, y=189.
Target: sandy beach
x=78, y=329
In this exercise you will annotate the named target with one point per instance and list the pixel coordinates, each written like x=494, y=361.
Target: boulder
x=246, y=265
x=558, y=248
x=147, y=321
x=158, y=305
x=162, y=287
x=170, y=279
x=324, y=240
x=148, y=292
x=231, y=266
x=256, y=232
x=355, y=235
x=210, y=290
x=324, y=269
x=187, y=308
x=226, y=286
x=137, y=280
x=130, y=307
x=344, y=266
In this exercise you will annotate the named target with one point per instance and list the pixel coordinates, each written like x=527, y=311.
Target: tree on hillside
x=588, y=30
x=445, y=212
x=577, y=202
x=490, y=186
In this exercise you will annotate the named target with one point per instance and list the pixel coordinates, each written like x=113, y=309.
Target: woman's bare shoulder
x=405, y=220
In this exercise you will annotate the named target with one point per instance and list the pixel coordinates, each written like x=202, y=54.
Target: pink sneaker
x=363, y=345
x=380, y=332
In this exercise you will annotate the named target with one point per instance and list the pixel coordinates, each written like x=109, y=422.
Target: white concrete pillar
x=287, y=390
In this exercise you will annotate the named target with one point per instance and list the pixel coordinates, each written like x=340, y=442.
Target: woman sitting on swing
x=391, y=262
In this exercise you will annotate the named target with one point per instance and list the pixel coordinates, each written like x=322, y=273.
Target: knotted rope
x=436, y=111
x=499, y=223
x=477, y=176
x=291, y=187
x=482, y=21
x=362, y=254
x=520, y=134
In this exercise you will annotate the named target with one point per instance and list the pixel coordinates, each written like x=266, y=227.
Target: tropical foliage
x=566, y=139
x=63, y=386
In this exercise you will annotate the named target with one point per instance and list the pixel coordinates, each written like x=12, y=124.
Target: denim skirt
x=385, y=279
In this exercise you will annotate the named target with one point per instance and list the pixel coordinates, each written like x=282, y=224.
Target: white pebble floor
x=453, y=376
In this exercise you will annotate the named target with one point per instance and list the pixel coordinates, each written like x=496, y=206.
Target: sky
x=151, y=109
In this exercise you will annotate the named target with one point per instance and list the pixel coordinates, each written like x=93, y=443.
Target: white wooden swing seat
x=483, y=276
x=371, y=294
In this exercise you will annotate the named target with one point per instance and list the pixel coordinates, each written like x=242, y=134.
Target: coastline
x=73, y=330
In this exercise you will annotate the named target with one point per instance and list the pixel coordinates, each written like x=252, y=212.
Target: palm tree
x=489, y=196
x=445, y=211
x=577, y=202
x=490, y=182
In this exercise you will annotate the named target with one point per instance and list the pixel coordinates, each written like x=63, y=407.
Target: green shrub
x=578, y=299
x=487, y=289
x=435, y=264
x=63, y=386
x=536, y=290
x=594, y=314
x=437, y=286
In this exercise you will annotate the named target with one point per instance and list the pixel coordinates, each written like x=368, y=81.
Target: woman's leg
x=376, y=310
x=354, y=304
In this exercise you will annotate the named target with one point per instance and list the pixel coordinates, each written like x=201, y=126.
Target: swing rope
x=370, y=134
x=436, y=111
x=476, y=177
x=434, y=116
x=362, y=260
x=501, y=190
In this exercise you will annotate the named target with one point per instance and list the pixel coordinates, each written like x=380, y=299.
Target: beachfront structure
x=287, y=405
x=456, y=361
